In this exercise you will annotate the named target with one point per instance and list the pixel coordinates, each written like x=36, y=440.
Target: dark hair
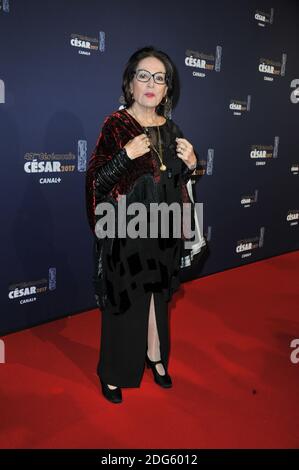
x=148, y=51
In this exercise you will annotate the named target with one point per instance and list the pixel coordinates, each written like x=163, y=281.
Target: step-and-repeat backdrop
x=61, y=65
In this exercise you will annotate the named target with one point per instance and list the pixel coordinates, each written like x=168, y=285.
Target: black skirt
x=124, y=341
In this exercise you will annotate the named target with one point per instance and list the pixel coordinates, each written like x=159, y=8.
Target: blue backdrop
x=61, y=64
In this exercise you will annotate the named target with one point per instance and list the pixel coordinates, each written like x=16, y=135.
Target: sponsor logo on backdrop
x=2, y=92
x=245, y=247
x=210, y=162
x=52, y=168
x=86, y=45
x=271, y=68
x=239, y=107
x=294, y=97
x=205, y=167
x=82, y=155
x=261, y=153
x=263, y=18
x=250, y=199
x=201, y=62
x=293, y=217
x=52, y=278
x=295, y=169
x=29, y=291
x=200, y=171
x=4, y=6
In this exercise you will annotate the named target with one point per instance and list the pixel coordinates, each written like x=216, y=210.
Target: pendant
x=163, y=167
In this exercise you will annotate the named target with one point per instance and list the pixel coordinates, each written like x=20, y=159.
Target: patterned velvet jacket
x=112, y=173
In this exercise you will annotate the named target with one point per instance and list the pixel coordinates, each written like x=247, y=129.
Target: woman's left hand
x=185, y=151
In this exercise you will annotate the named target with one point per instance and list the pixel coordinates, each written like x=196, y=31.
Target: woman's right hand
x=137, y=146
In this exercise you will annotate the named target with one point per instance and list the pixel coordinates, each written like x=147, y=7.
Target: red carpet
x=234, y=383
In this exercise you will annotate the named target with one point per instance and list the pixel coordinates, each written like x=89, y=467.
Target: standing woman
x=141, y=154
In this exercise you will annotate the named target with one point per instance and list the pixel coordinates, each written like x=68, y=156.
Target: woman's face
x=149, y=94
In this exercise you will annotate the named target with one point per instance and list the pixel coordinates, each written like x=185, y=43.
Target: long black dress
x=139, y=267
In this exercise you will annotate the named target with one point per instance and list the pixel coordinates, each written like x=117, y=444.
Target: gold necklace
x=160, y=153
x=162, y=166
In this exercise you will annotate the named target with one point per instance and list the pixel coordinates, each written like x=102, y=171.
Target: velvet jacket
x=111, y=174
x=118, y=129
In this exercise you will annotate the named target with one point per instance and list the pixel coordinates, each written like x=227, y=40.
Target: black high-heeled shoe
x=162, y=380
x=113, y=395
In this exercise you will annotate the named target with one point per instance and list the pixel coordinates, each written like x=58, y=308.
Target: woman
x=140, y=154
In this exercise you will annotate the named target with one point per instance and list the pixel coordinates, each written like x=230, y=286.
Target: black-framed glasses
x=145, y=76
